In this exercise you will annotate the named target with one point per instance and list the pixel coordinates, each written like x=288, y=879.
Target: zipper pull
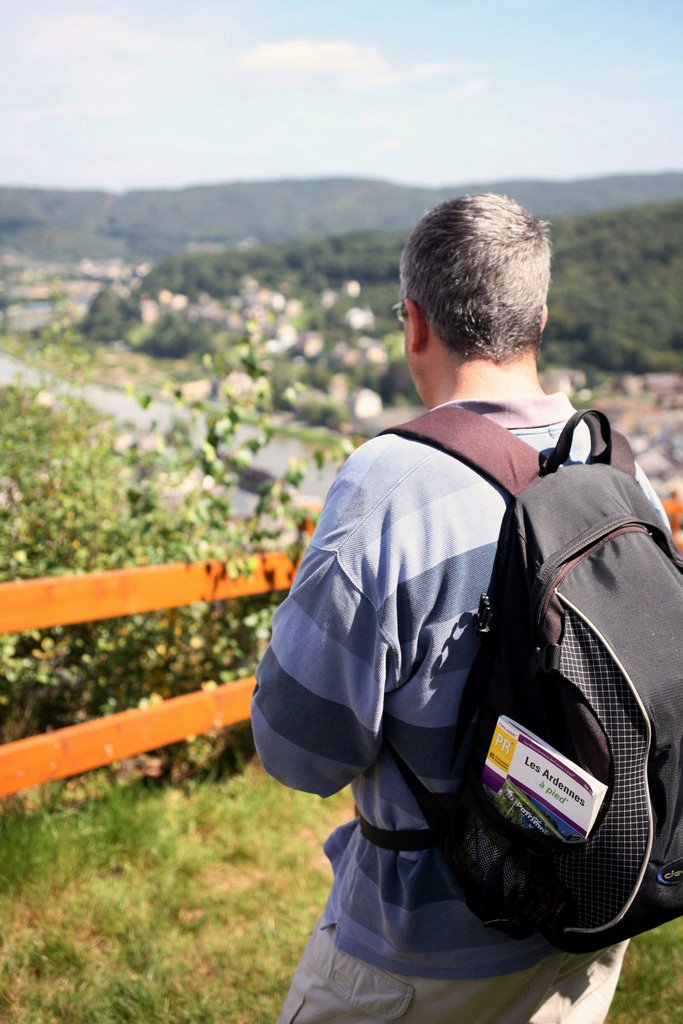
x=483, y=616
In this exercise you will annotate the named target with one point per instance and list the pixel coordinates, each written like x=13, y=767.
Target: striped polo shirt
x=376, y=637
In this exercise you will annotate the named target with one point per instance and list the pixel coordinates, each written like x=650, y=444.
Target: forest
x=616, y=301
x=153, y=223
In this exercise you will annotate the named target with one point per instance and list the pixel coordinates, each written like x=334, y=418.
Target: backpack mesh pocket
x=586, y=887
x=505, y=883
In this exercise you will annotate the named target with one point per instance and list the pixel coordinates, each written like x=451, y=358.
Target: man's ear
x=418, y=328
x=544, y=318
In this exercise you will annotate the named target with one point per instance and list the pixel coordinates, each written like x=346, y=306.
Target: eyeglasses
x=400, y=310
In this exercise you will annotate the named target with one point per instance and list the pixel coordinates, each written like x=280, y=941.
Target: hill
x=149, y=224
x=615, y=301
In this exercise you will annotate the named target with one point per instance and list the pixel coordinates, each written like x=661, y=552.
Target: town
x=351, y=365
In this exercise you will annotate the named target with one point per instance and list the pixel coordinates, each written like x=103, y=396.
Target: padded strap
x=478, y=441
x=498, y=454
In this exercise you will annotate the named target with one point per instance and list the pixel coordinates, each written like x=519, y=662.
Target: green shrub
x=70, y=502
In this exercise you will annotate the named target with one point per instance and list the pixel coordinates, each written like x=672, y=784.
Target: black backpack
x=582, y=644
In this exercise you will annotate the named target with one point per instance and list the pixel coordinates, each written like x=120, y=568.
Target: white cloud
x=87, y=64
x=436, y=69
x=66, y=112
x=632, y=74
x=375, y=118
x=389, y=146
x=563, y=121
x=349, y=65
x=95, y=35
x=353, y=66
x=469, y=88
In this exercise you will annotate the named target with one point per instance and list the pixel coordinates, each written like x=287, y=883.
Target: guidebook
x=537, y=787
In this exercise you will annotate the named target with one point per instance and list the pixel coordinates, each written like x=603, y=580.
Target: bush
x=70, y=503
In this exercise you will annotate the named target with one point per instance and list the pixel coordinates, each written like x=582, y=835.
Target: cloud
x=389, y=146
x=436, y=69
x=66, y=112
x=469, y=88
x=352, y=66
x=631, y=74
x=563, y=121
x=87, y=64
x=91, y=34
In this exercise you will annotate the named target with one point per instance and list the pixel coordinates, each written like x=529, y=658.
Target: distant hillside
x=616, y=301
x=52, y=224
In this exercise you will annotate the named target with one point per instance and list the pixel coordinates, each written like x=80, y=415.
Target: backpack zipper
x=556, y=568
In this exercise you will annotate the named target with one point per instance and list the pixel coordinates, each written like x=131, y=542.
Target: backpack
x=582, y=645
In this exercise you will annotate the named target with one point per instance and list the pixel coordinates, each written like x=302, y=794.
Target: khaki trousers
x=330, y=986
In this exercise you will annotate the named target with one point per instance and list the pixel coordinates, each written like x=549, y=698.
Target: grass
x=651, y=984
x=120, y=903
x=160, y=905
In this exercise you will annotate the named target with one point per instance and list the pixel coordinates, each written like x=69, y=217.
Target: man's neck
x=480, y=379
x=441, y=375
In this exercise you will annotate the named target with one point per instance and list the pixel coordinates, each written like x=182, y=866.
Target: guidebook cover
x=537, y=787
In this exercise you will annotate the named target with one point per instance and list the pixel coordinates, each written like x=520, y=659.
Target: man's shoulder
x=389, y=486
x=389, y=468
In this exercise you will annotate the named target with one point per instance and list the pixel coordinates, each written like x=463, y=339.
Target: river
x=160, y=416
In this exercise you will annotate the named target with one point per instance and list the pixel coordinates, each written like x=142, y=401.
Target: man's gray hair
x=479, y=269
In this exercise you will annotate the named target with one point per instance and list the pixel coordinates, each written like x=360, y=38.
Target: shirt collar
x=521, y=412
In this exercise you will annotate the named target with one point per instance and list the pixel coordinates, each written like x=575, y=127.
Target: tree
x=175, y=337
x=110, y=317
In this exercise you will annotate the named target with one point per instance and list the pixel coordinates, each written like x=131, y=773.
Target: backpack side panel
x=642, y=626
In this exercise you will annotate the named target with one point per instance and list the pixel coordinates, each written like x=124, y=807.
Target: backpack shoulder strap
x=504, y=458
x=479, y=442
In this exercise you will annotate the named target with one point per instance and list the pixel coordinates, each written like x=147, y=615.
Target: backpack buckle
x=545, y=659
x=483, y=616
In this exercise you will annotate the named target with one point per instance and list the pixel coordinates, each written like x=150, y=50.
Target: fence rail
x=79, y=748
x=65, y=600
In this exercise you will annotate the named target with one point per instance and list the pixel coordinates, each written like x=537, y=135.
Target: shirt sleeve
x=647, y=487
x=317, y=707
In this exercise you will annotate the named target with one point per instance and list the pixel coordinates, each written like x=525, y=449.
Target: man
x=376, y=639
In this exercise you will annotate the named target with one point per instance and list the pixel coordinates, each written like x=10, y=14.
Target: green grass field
x=120, y=903
x=161, y=905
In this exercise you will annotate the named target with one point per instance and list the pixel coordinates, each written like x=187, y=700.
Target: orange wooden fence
x=63, y=600
x=34, y=604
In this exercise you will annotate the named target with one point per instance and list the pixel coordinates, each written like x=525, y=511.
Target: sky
x=169, y=93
